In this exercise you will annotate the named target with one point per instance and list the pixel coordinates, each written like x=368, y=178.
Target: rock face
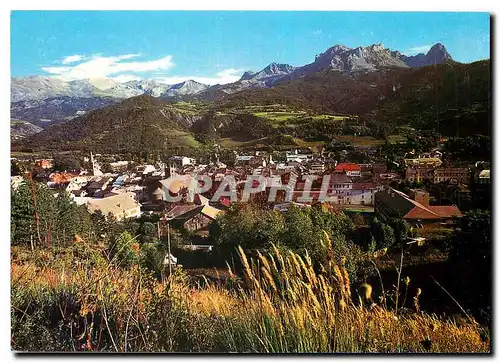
x=266, y=77
x=184, y=88
x=339, y=58
x=56, y=99
x=436, y=55
x=272, y=71
x=40, y=88
x=345, y=59
x=21, y=129
x=371, y=58
x=42, y=112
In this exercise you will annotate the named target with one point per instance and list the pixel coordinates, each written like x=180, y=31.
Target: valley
x=359, y=186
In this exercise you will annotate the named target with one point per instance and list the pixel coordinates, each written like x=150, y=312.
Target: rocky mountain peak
x=438, y=54
x=338, y=48
x=247, y=75
x=277, y=68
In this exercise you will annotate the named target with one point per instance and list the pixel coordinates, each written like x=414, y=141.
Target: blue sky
x=216, y=46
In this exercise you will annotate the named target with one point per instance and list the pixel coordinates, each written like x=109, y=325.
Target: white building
x=119, y=165
x=298, y=158
x=120, y=206
x=484, y=176
x=146, y=169
x=181, y=160
x=77, y=183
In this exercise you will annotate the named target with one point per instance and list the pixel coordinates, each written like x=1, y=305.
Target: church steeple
x=96, y=171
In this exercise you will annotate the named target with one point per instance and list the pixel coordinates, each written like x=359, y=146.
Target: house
x=317, y=168
x=430, y=162
x=350, y=169
x=387, y=178
x=145, y=169
x=339, y=182
x=180, y=161
x=43, y=176
x=453, y=175
x=194, y=218
x=414, y=209
x=484, y=177
x=419, y=174
x=250, y=160
x=296, y=157
x=120, y=181
x=44, y=164
x=77, y=182
x=353, y=193
x=175, y=186
x=96, y=188
x=363, y=193
x=79, y=193
x=119, y=165
x=120, y=206
x=377, y=170
x=61, y=179
x=366, y=170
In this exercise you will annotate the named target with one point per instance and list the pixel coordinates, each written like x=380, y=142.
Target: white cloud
x=72, y=59
x=229, y=75
x=99, y=66
x=121, y=69
x=420, y=49
x=122, y=78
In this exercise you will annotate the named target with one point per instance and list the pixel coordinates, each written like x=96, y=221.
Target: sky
x=218, y=46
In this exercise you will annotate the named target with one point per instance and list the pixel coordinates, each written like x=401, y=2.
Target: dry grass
x=279, y=305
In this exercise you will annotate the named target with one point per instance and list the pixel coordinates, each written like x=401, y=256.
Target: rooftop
x=347, y=167
x=115, y=204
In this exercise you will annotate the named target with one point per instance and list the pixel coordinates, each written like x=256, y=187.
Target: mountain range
x=338, y=57
x=41, y=87
x=454, y=96
x=44, y=100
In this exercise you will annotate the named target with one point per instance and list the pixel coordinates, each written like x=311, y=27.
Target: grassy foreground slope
x=79, y=300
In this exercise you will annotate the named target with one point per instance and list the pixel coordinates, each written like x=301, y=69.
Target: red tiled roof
x=347, y=167
x=433, y=212
x=420, y=213
x=339, y=179
x=445, y=211
x=62, y=178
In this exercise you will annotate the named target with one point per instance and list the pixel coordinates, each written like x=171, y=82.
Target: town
x=251, y=182
x=128, y=190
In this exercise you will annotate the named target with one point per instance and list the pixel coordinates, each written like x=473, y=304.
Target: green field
x=360, y=140
x=16, y=122
x=230, y=143
x=282, y=118
x=187, y=108
x=394, y=139
x=279, y=116
x=328, y=117
x=189, y=141
x=310, y=144
x=182, y=138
